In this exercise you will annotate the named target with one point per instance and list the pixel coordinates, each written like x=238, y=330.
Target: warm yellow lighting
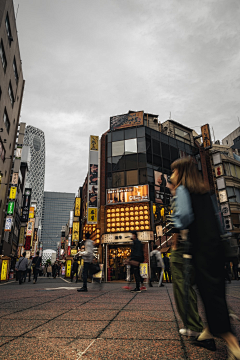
x=132, y=218
x=127, y=218
x=127, y=209
x=131, y=223
x=137, y=222
x=113, y=229
x=136, y=207
x=141, y=212
x=109, y=225
x=131, y=213
x=108, y=215
x=118, y=229
x=127, y=223
x=146, y=227
x=118, y=224
x=146, y=217
x=117, y=219
x=137, y=227
x=122, y=228
x=113, y=210
x=145, y=207
x=145, y=212
x=122, y=219
x=127, y=228
x=131, y=228
x=140, y=207
x=127, y=213
x=122, y=224
x=146, y=222
x=131, y=208
x=117, y=210
x=142, y=227
x=108, y=210
x=108, y=220
x=113, y=215
x=108, y=230
x=122, y=214
x=141, y=217
x=136, y=217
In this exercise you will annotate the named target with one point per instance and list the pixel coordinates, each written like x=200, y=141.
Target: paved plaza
x=51, y=320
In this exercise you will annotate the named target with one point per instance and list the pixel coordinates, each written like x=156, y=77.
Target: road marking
x=82, y=353
x=7, y=283
x=61, y=288
x=65, y=280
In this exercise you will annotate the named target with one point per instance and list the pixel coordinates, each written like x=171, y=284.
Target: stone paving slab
x=11, y=327
x=35, y=314
x=80, y=315
x=141, y=330
x=127, y=315
x=133, y=349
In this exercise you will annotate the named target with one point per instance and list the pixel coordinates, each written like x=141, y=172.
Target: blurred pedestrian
x=21, y=267
x=49, y=270
x=136, y=258
x=87, y=256
x=156, y=265
x=195, y=211
x=167, y=268
x=29, y=268
x=36, y=263
x=74, y=270
x=54, y=270
x=44, y=270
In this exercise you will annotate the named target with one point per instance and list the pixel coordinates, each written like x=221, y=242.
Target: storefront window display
x=117, y=256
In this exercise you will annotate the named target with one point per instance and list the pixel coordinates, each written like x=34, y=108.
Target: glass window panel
x=149, y=158
x=130, y=146
x=181, y=145
x=109, y=137
x=118, y=148
x=172, y=141
x=143, y=176
x=148, y=144
x=109, y=164
x=118, y=163
x=130, y=133
x=174, y=153
x=166, y=163
x=118, y=179
x=165, y=151
x=230, y=193
x=157, y=160
x=237, y=168
x=109, y=180
x=232, y=168
x=227, y=169
x=237, y=193
x=118, y=135
x=109, y=149
x=142, y=160
x=140, y=131
x=132, y=177
x=156, y=147
x=150, y=171
x=141, y=145
x=164, y=138
x=182, y=133
x=131, y=161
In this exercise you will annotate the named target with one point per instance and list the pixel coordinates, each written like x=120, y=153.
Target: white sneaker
x=188, y=332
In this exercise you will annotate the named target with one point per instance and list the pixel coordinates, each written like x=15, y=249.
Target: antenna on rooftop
x=170, y=116
x=213, y=135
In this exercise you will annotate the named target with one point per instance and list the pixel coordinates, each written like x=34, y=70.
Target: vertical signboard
x=75, y=231
x=8, y=223
x=93, y=181
x=31, y=212
x=10, y=209
x=13, y=192
x=206, y=137
x=77, y=206
x=26, y=205
x=15, y=179
x=21, y=236
x=4, y=270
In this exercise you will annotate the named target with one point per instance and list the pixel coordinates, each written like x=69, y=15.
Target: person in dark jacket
x=74, y=270
x=36, y=263
x=195, y=211
x=167, y=268
x=136, y=258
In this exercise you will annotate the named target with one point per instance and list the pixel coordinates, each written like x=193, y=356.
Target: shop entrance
x=117, y=269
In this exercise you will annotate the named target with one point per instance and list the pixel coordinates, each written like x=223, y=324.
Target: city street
x=51, y=320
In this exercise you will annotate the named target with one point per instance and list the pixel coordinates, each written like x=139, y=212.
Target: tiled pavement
x=105, y=323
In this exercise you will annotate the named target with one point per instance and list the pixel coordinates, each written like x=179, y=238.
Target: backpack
x=153, y=261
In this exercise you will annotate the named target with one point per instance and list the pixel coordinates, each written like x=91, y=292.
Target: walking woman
x=195, y=211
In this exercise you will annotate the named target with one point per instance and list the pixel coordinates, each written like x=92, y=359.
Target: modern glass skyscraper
x=35, y=139
x=56, y=209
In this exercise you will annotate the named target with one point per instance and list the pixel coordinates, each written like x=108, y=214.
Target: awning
x=165, y=249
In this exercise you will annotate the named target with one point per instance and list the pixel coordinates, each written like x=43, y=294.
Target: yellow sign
x=144, y=270
x=73, y=252
x=13, y=192
x=93, y=143
x=4, y=270
x=75, y=231
x=21, y=236
x=77, y=206
x=92, y=215
x=68, y=268
x=31, y=213
x=206, y=137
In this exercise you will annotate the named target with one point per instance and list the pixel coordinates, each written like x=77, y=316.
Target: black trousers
x=168, y=275
x=29, y=274
x=20, y=276
x=136, y=271
x=35, y=274
x=72, y=275
x=86, y=268
x=155, y=274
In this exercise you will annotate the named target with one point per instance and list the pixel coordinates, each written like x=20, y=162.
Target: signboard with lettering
x=206, y=137
x=93, y=175
x=127, y=120
x=8, y=223
x=77, y=206
x=21, y=236
x=26, y=205
x=13, y=192
x=15, y=179
x=4, y=270
x=75, y=231
x=127, y=194
x=10, y=209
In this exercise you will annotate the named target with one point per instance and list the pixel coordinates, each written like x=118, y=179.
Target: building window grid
x=15, y=71
x=6, y=120
x=3, y=56
x=10, y=93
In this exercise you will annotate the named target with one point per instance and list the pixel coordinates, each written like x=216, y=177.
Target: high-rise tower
x=35, y=139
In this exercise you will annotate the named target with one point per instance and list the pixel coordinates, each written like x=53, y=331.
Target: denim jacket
x=183, y=216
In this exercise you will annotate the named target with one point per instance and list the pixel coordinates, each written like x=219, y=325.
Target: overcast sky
x=87, y=60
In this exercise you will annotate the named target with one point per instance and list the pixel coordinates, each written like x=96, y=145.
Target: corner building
x=135, y=162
